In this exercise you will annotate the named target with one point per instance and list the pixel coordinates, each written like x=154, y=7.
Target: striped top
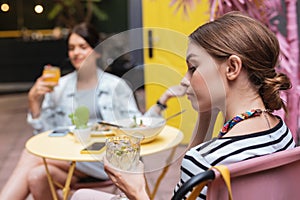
x=234, y=149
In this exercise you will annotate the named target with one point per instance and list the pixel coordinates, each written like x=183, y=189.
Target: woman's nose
x=185, y=82
x=76, y=50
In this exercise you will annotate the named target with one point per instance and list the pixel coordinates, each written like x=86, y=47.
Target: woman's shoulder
x=235, y=148
x=68, y=76
x=111, y=80
x=109, y=76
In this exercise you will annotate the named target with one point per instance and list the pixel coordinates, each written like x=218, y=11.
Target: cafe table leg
x=50, y=181
x=66, y=189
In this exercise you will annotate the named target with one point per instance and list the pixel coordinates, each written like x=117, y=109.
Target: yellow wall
x=167, y=66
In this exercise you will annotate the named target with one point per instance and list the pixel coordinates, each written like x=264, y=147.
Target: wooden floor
x=15, y=131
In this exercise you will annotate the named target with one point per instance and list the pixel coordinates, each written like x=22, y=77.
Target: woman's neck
x=238, y=106
x=87, y=79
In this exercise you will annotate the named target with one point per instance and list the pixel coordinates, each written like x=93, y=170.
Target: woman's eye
x=70, y=48
x=84, y=47
x=192, y=69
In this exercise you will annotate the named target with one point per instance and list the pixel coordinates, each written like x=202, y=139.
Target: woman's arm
x=36, y=98
x=173, y=91
x=161, y=105
x=36, y=95
x=133, y=183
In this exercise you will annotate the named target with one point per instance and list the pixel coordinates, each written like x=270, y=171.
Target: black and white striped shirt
x=234, y=149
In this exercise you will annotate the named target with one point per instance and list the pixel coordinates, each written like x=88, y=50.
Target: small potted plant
x=80, y=119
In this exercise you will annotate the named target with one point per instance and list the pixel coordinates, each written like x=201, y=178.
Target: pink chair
x=271, y=177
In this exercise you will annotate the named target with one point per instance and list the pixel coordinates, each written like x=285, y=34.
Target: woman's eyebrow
x=190, y=56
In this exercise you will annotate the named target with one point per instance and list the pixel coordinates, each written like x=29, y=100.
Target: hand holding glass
x=54, y=73
x=123, y=152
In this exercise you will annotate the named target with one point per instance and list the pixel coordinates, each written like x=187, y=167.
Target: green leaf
x=100, y=14
x=58, y=8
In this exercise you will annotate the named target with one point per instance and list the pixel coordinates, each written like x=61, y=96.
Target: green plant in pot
x=80, y=119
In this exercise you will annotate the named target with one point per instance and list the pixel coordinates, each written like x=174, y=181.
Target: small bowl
x=152, y=127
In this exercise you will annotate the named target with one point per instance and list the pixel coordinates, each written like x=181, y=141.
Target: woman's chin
x=195, y=106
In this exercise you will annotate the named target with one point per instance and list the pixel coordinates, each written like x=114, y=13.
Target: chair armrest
x=194, y=181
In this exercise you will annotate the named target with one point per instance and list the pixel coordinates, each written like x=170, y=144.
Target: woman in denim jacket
x=108, y=97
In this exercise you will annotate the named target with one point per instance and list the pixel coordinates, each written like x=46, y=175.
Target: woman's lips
x=77, y=60
x=189, y=95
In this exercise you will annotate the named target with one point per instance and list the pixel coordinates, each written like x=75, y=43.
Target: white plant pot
x=82, y=135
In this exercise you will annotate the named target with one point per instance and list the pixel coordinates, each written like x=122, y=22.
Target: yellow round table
x=66, y=148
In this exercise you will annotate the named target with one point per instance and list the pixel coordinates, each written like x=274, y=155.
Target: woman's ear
x=234, y=67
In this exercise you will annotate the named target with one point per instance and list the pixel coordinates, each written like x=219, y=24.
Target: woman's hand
x=131, y=183
x=37, y=93
x=173, y=91
x=176, y=90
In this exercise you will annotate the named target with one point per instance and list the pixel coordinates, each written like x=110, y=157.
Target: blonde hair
x=237, y=34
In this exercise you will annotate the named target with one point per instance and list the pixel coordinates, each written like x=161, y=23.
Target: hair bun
x=270, y=91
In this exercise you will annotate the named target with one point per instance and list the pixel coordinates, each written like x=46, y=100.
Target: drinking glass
x=123, y=152
x=54, y=71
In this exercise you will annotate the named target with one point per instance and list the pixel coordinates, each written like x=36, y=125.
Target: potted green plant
x=80, y=119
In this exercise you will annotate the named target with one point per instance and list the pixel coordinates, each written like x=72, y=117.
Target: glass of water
x=123, y=152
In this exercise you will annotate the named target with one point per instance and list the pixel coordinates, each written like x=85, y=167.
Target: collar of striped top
x=238, y=118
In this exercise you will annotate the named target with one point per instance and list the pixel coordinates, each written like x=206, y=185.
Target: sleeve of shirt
x=151, y=112
x=40, y=123
x=36, y=123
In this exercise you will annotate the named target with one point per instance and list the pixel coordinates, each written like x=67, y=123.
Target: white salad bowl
x=147, y=127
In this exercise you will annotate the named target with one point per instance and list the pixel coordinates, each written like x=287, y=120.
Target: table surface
x=65, y=148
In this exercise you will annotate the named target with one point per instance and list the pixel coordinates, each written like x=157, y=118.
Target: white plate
x=102, y=133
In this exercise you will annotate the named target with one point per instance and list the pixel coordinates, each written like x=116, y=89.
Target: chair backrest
x=270, y=177
x=273, y=177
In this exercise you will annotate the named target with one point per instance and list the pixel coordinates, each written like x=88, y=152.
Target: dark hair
x=87, y=32
x=237, y=34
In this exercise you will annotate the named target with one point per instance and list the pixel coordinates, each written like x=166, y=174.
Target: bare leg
x=17, y=186
x=29, y=176
x=38, y=182
x=88, y=194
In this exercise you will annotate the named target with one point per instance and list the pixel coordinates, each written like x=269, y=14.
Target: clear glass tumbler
x=123, y=152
